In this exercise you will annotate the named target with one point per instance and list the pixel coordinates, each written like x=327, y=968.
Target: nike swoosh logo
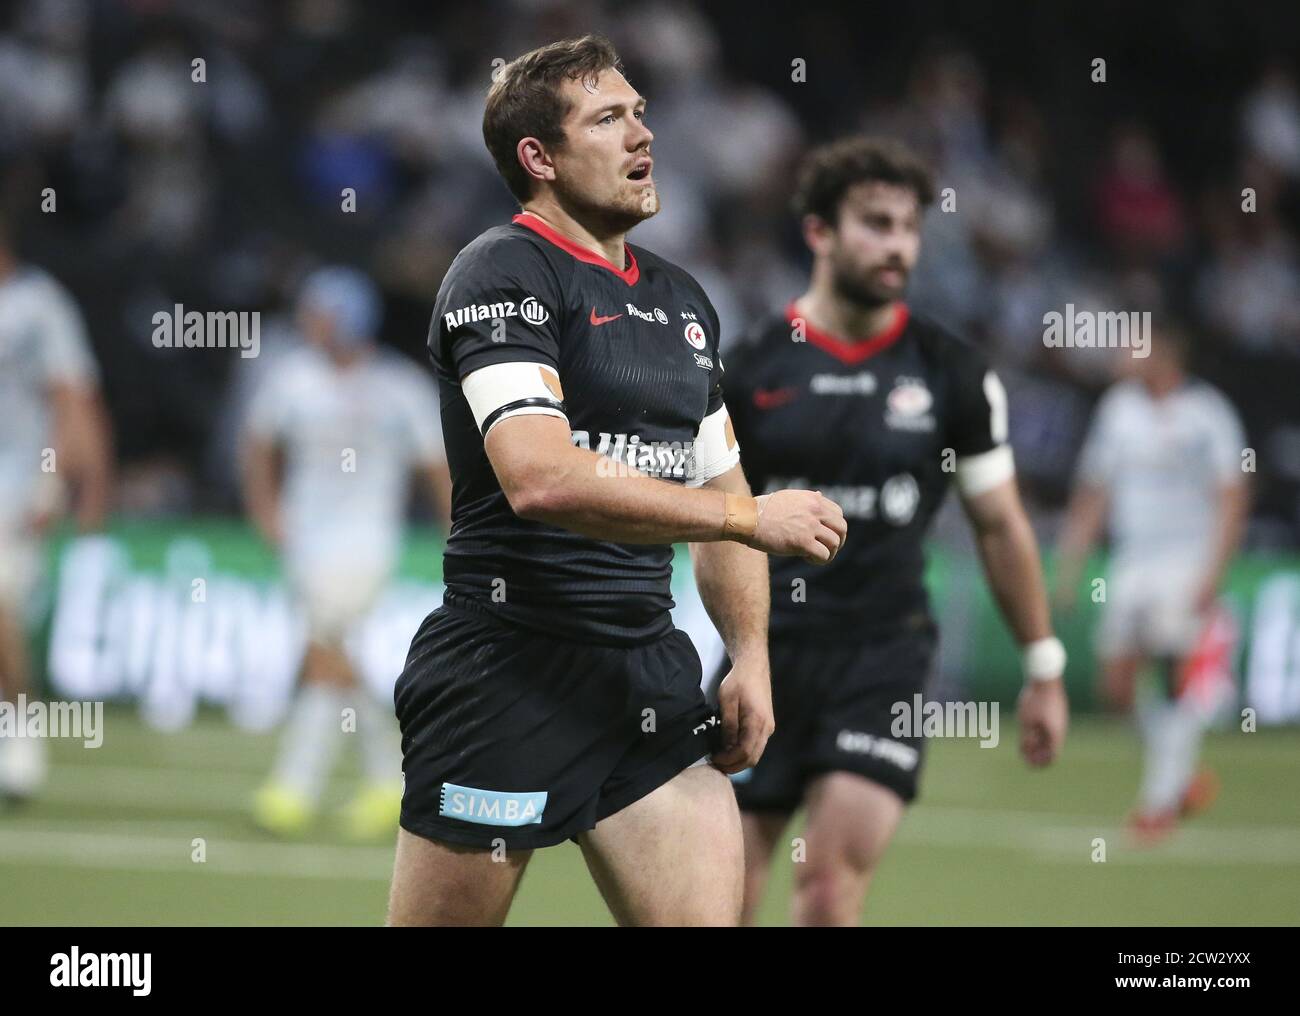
x=595, y=320
x=765, y=398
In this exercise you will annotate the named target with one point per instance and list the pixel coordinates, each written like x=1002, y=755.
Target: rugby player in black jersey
x=550, y=697
x=851, y=393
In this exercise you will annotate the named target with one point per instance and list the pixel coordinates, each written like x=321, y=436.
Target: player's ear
x=818, y=234
x=535, y=160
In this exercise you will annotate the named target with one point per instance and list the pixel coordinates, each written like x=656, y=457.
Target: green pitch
x=118, y=836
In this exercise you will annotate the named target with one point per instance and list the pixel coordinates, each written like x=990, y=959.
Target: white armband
x=977, y=474
x=716, y=449
x=502, y=390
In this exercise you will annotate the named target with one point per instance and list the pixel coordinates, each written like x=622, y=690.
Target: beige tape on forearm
x=742, y=518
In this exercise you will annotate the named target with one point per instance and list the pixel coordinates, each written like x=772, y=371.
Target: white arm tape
x=1043, y=660
x=979, y=473
x=716, y=448
x=502, y=390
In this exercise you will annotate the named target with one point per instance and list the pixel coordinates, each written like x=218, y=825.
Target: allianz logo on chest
x=647, y=315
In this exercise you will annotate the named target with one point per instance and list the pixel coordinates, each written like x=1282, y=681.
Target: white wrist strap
x=1043, y=660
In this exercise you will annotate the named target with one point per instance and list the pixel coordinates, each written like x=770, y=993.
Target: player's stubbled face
x=604, y=167
x=877, y=242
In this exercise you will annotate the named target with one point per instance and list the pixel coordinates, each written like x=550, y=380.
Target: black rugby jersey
x=866, y=423
x=636, y=354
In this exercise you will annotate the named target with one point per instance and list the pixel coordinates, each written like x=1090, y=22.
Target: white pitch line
x=206, y=825
x=175, y=759
x=57, y=843
x=145, y=787
x=1069, y=838
x=1058, y=837
x=162, y=853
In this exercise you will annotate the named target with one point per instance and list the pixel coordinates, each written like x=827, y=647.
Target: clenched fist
x=799, y=523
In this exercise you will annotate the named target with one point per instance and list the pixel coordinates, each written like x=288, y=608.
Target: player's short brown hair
x=525, y=100
x=829, y=171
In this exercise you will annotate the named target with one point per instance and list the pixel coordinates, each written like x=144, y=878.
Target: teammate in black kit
x=852, y=394
x=550, y=696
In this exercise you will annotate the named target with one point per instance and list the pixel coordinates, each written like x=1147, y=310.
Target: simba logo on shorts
x=491, y=807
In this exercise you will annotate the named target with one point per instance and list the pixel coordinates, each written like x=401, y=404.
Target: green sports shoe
x=373, y=813
x=282, y=811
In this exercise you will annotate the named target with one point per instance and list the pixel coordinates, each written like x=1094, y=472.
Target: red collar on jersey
x=847, y=350
x=629, y=274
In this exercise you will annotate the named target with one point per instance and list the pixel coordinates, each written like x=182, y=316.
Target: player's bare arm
x=82, y=429
x=1009, y=554
x=733, y=585
x=1233, y=508
x=259, y=471
x=1083, y=522
x=547, y=479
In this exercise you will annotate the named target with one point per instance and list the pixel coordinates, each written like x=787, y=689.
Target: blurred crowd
x=204, y=154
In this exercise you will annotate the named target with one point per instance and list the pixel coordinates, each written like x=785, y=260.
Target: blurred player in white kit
x=49, y=398
x=1163, y=463
x=352, y=423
